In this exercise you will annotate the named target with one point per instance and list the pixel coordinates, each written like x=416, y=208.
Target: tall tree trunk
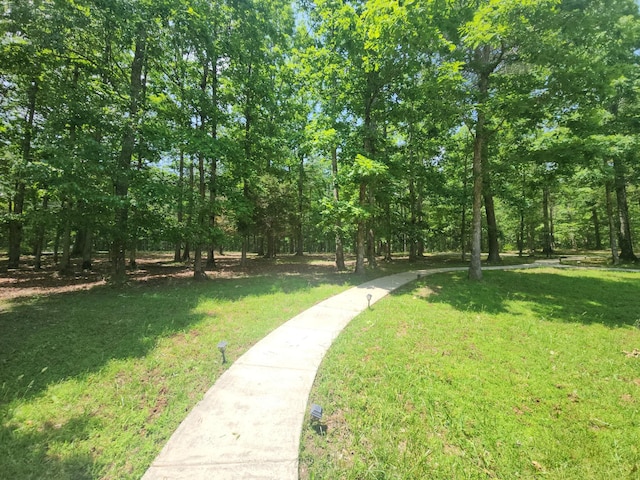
x=492, y=230
x=199, y=244
x=365, y=193
x=612, y=224
x=178, y=246
x=482, y=55
x=340, y=265
x=475, y=267
x=547, y=244
x=56, y=244
x=490, y=211
x=65, y=262
x=596, y=227
x=489, y=207
x=361, y=234
x=87, y=248
x=387, y=250
x=463, y=212
x=243, y=253
x=248, y=156
x=198, y=267
x=521, y=233
x=15, y=220
x=271, y=244
x=186, y=254
x=299, y=222
x=119, y=243
x=624, y=233
x=213, y=171
x=198, y=270
x=413, y=221
x=371, y=247
x=40, y=230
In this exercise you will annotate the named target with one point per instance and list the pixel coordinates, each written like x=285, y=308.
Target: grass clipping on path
x=525, y=374
x=92, y=384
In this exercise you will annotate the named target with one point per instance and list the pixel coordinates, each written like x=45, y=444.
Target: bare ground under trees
x=152, y=268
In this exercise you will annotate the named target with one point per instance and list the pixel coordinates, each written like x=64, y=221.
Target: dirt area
x=152, y=268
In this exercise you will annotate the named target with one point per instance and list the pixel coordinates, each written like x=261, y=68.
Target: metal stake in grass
x=222, y=346
x=369, y=296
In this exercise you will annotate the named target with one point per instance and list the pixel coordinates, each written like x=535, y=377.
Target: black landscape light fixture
x=222, y=346
x=369, y=297
x=316, y=413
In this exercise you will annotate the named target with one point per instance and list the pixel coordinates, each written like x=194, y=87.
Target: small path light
x=369, y=296
x=222, y=346
x=316, y=413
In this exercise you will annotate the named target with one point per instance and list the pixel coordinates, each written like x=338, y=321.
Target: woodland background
x=375, y=127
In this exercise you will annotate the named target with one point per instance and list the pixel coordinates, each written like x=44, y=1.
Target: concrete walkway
x=248, y=424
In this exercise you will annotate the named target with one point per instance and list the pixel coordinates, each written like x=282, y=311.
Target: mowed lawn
x=93, y=383
x=528, y=374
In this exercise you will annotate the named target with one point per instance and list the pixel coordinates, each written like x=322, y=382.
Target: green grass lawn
x=528, y=374
x=93, y=383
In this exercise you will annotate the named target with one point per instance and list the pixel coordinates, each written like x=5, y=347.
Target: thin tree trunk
x=547, y=249
x=124, y=162
x=213, y=171
x=56, y=244
x=340, y=265
x=463, y=213
x=361, y=234
x=521, y=233
x=596, y=227
x=475, y=267
x=413, y=221
x=87, y=248
x=178, y=246
x=243, y=254
x=482, y=55
x=387, y=254
x=365, y=193
x=15, y=221
x=198, y=267
x=521, y=211
x=371, y=247
x=492, y=229
x=65, y=263
x=490, y=211
x=40, y=233
x=186, y=254
x=299, y=232
x=624, y=234
x=612, y=225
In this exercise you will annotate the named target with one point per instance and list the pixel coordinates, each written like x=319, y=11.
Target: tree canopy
x=381, y=127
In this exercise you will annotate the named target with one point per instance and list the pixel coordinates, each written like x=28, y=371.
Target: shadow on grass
x=36, y=458
x=53, y=338
x=583, y=296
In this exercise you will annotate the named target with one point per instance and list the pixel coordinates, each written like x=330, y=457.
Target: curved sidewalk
x=248, y=424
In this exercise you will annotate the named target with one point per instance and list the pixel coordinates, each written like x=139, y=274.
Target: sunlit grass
x=527, y=374
x=92, y=384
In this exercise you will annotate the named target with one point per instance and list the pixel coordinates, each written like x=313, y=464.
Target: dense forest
x=372, y=127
